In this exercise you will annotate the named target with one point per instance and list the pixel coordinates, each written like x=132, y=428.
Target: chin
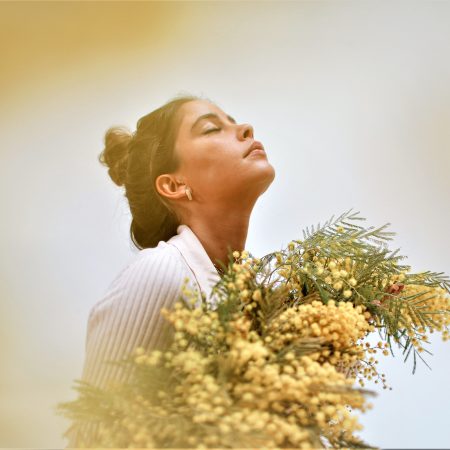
x=269, y=170
x=266, y=176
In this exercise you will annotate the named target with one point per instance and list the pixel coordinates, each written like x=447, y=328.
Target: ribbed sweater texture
x=128, y=316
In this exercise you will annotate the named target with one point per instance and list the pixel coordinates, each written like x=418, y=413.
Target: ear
x=169, y=186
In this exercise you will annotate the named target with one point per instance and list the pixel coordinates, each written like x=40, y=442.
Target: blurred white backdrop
x=351, y=100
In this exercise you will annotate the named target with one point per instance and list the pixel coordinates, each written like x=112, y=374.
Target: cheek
x=215, y=166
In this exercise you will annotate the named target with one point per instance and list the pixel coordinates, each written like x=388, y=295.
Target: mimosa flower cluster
x=276, y=363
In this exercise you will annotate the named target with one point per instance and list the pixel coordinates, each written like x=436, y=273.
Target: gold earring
x=188, y=192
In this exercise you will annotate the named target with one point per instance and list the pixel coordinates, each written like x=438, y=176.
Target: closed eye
x=211, y=130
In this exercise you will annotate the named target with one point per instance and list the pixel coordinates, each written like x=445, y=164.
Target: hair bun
x=115, y=153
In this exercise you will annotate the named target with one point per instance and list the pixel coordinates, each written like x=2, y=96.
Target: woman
x=192, y=176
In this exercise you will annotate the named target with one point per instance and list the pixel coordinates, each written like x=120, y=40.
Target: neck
x=220, y=233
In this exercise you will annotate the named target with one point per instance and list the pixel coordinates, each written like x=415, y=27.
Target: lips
x=255, y=145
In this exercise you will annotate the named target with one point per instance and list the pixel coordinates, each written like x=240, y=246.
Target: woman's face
x=213, y=148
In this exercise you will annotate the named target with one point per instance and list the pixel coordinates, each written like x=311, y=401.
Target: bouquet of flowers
x=277, y=362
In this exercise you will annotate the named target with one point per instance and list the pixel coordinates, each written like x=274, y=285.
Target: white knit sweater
x=128, y=315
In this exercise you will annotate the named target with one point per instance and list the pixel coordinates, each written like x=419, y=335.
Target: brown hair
x=136, y=159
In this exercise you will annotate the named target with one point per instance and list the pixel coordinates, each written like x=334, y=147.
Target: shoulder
x=152, y=273
x=151, y=264
x=157, y=261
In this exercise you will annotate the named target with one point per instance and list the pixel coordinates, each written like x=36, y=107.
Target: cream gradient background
x=350, y=98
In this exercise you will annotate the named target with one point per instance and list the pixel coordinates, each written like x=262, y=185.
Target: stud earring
x=188, y=192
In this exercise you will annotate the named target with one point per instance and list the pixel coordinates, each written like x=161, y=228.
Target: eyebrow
x=209, y=115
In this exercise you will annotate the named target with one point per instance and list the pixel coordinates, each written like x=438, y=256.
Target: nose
x=245, y=131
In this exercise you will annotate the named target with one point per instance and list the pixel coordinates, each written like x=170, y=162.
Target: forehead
x=190, y=111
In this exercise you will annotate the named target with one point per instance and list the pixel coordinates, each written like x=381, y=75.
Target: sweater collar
x=192, y=250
